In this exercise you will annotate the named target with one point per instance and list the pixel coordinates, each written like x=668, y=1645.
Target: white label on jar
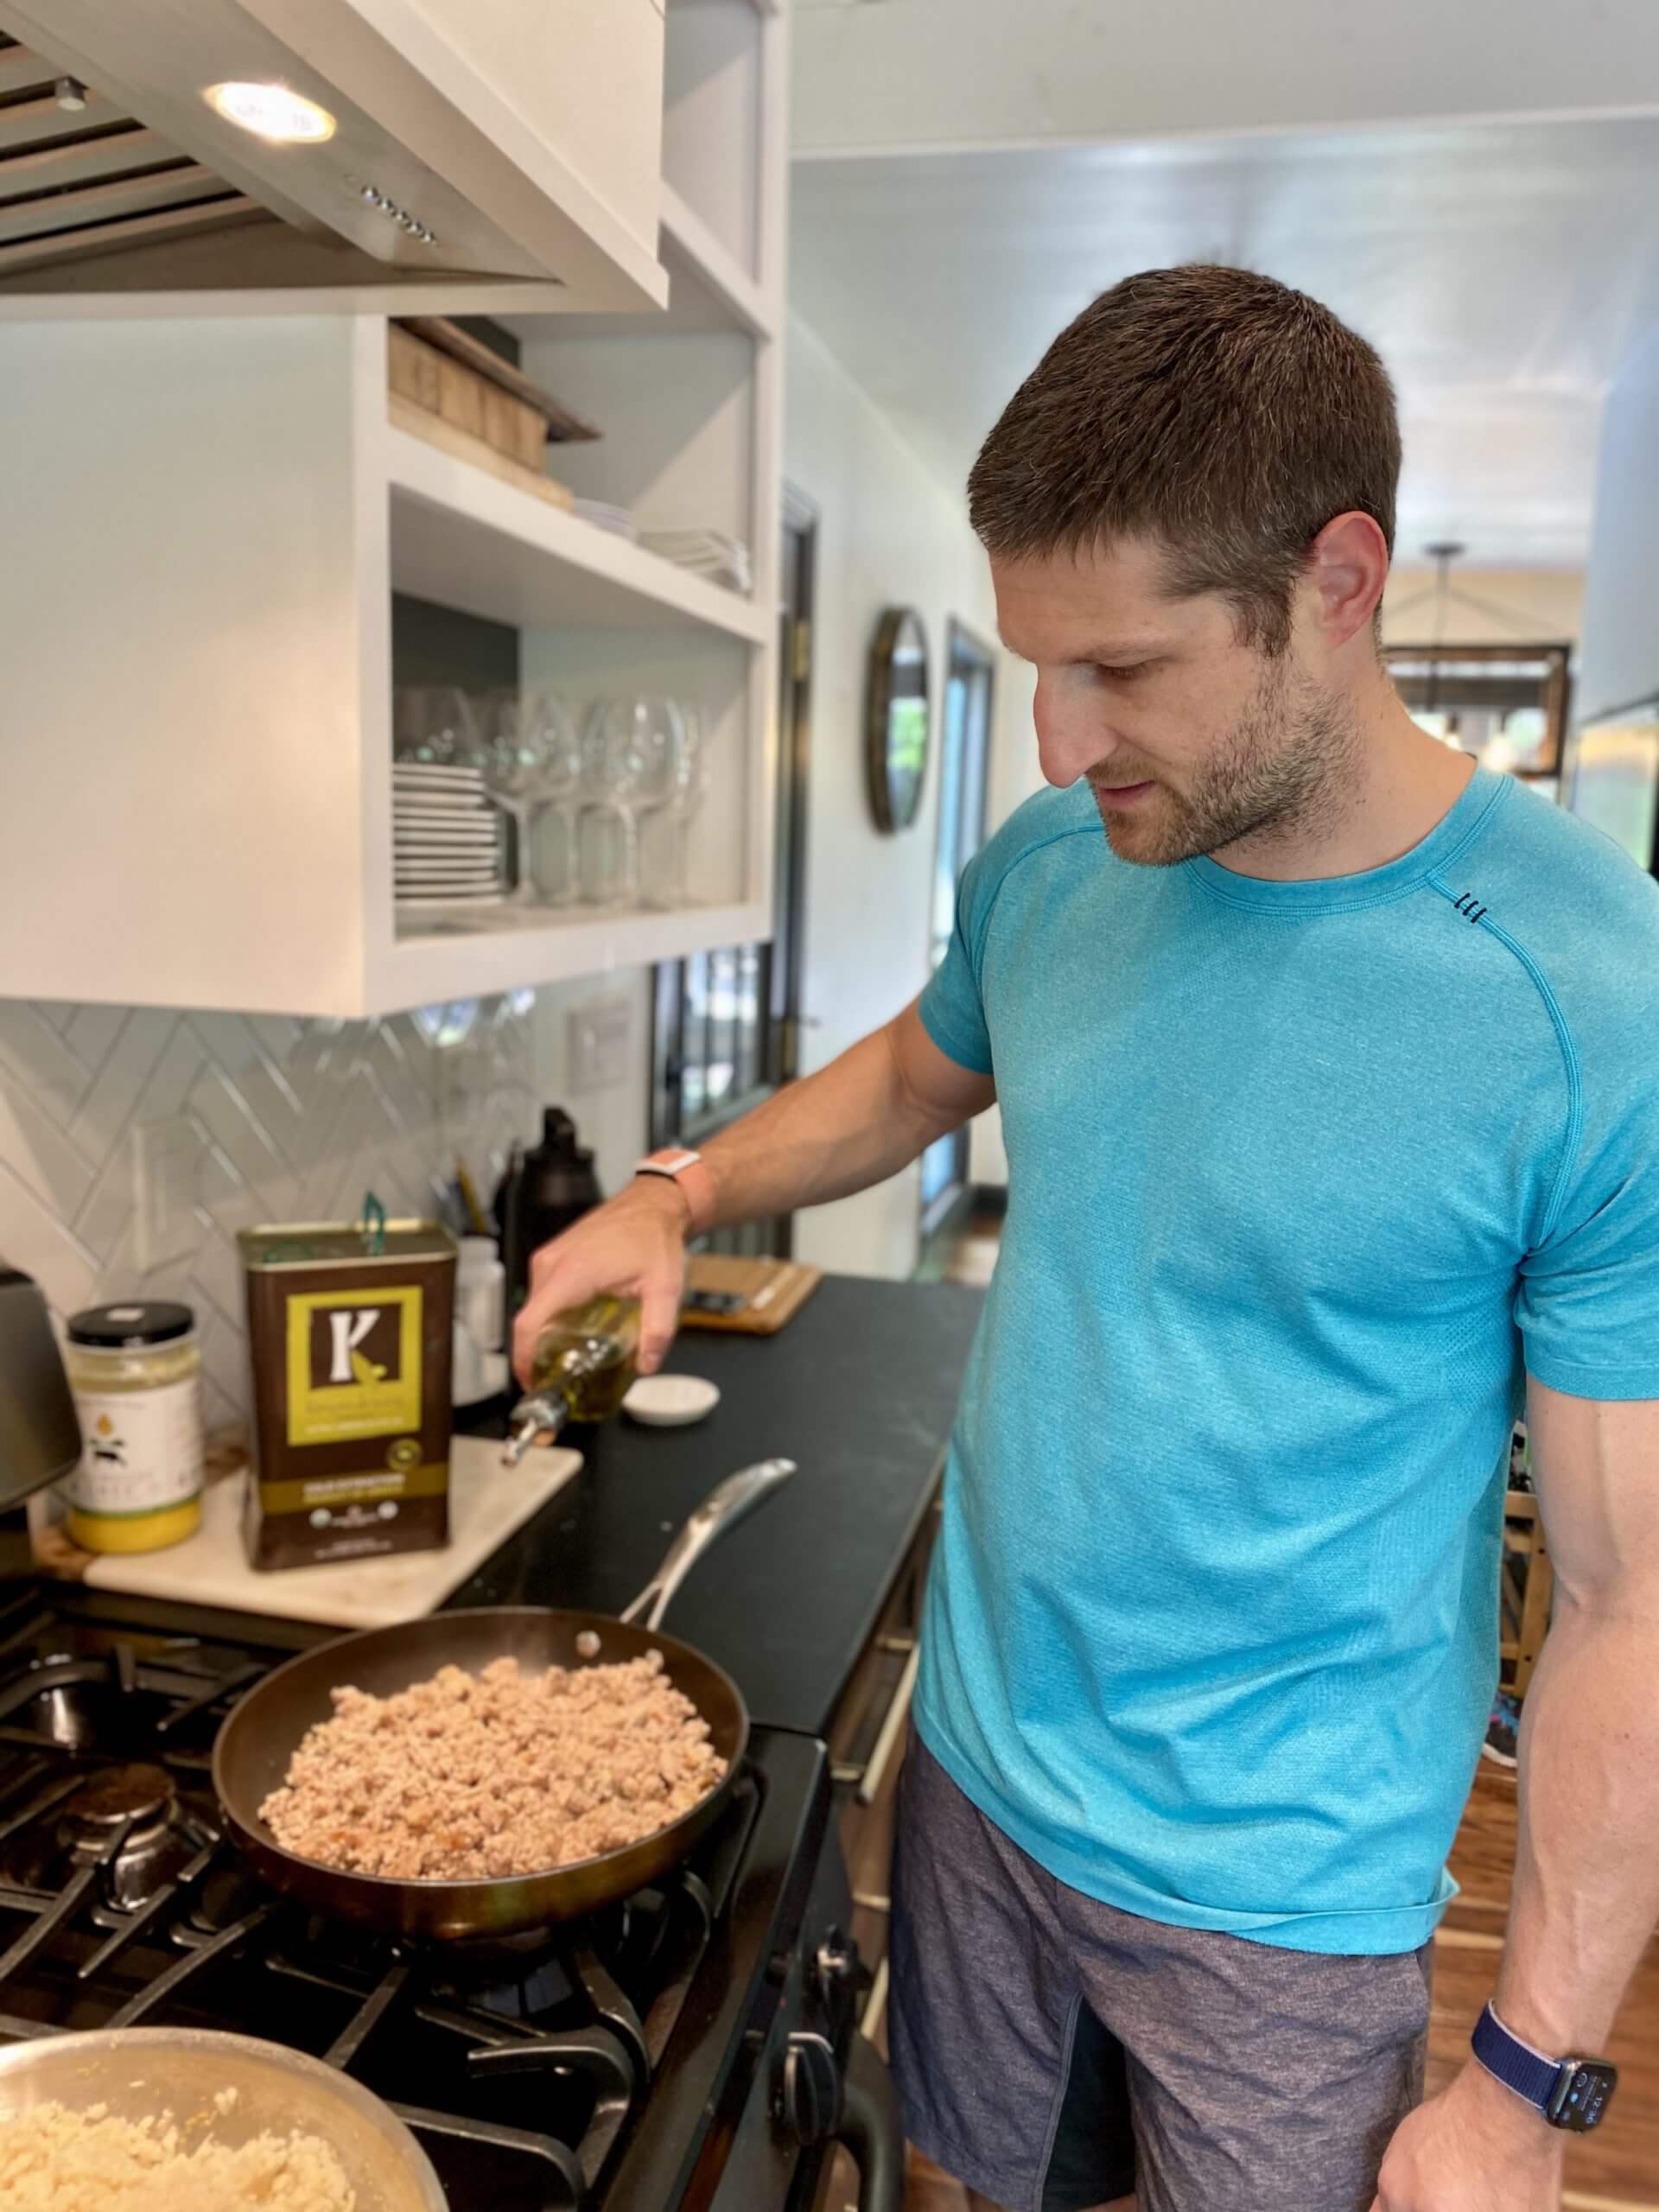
x=141, y=1449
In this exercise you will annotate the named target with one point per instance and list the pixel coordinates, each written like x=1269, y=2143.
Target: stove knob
x=811, y=2089
x=837, y=1966
x=834, y=1978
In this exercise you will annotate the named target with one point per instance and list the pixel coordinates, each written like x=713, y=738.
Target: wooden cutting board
x=488, y=1502
x=775, y=1290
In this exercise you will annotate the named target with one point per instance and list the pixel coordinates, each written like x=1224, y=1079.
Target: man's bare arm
x=857, y=1121
x=1586, y=1879
x=1585, y=1896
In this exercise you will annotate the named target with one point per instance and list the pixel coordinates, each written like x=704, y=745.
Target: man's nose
x=1070, y=739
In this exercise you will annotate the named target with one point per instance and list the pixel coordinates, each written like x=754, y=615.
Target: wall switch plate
x=166, y=1163
x=599, y=1043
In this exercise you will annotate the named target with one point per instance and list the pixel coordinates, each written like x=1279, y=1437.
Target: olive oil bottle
x=585, y=1364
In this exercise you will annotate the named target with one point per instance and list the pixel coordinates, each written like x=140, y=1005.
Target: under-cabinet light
x=271, y=112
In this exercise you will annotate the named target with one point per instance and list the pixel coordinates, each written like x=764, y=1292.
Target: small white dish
x=671, y=1401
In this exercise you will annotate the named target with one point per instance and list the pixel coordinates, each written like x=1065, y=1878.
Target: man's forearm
x=1586, y=1880
x=1585, y=1899
x=852, y=1125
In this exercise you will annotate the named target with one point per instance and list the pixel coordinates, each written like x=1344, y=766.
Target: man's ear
x=1346, y=570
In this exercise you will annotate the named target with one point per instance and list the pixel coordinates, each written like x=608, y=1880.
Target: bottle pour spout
x=535, y=1420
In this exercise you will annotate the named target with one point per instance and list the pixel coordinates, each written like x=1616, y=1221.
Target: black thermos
x=543, y=1191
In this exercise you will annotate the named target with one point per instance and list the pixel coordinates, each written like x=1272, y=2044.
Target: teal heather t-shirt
x=1303, y=1177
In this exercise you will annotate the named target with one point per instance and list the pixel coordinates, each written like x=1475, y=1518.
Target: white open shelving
x=689, y=247
x=197, y=630
x=430, y=966
x=470, y=540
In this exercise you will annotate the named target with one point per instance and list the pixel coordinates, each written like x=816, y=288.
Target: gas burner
x=128, y=1820
x=140, y=1798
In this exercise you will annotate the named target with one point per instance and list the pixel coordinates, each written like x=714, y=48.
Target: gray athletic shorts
x=1053, y=2053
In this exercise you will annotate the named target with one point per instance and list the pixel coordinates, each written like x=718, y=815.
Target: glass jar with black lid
x=135, y=1371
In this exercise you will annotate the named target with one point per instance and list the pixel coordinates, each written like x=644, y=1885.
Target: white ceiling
x=1501, y=269
x=895, y=76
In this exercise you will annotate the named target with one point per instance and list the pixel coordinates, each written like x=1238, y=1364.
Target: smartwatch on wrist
x=695, y=1183
x=1570, y=2093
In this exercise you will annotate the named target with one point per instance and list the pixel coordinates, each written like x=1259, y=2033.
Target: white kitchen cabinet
x=205, y=521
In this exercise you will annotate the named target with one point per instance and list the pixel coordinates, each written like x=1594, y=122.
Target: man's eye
x=1128, y=674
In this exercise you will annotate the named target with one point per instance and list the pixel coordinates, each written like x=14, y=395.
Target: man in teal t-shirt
x=1328, y=1065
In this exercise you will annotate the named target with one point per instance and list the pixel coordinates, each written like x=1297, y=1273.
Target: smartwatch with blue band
x=1570, y=2093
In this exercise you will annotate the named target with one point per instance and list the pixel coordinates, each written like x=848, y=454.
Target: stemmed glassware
x=553, y=858
x=629, y=748
x=512, y=752
x=600, y=810
x=531, y=761
x=662, y=742
x=675, y=785
x=434, y=724
x=689, y=788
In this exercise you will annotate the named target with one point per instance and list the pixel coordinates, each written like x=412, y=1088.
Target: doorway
x=725, y=1025
x=965, y=769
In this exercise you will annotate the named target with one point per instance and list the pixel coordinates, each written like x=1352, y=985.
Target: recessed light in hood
x=271, y=112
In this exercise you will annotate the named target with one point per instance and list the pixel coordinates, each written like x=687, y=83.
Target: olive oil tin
x=349, y=1331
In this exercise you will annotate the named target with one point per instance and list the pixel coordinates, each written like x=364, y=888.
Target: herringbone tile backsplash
x=295, y=1119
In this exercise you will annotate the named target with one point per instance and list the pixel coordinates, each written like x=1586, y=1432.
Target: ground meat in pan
x=499, y=1773
x=55, y=2160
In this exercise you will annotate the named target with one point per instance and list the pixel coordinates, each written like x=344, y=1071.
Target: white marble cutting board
x=487, y=1502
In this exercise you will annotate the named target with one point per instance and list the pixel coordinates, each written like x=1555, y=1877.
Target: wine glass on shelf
x=689, y=788
x=512, y=754
x=433, y=726
x=553, y=834
x=623, y=747
x=661, y=729
x=677, y=786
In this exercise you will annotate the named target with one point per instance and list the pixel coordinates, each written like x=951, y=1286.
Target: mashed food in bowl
x=53, y=2159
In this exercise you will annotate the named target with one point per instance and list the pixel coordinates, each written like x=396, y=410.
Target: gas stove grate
x=122, y=1904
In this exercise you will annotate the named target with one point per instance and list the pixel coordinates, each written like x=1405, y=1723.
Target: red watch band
x=685, y=1168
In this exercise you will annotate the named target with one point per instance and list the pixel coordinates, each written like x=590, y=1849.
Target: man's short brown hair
x=1210, y=409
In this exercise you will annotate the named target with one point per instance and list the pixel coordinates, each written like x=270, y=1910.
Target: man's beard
x=1285, y=768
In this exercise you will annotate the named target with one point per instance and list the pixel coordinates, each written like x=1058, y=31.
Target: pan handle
x=722, y=1509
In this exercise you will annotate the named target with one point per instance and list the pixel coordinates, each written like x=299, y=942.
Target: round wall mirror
x=898, y=726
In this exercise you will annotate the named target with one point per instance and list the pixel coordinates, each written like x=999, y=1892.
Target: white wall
x=890, y=534
x=1619, y=660
x=927, y=73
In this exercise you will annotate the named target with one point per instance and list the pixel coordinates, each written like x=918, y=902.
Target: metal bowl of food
x=233, y=2114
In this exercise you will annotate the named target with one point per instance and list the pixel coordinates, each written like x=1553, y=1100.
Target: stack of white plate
x=603, y=516
x=446, y=838
x=708, y=553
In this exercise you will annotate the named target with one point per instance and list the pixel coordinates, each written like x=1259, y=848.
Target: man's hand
x=635, y=1244
x=1474, y=2148
x=856, y=1122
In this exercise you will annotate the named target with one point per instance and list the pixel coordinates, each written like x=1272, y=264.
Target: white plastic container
x=481, y=1293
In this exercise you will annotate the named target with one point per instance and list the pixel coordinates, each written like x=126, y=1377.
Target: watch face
x=1580, y=2103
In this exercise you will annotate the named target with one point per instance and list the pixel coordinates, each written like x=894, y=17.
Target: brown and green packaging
x=350, y=1337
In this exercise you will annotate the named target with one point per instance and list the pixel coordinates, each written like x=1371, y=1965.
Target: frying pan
x=253, y=1749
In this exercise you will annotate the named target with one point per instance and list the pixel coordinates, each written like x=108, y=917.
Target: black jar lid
x=129, y=1327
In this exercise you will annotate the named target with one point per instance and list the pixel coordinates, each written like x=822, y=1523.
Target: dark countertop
x=860, y=1389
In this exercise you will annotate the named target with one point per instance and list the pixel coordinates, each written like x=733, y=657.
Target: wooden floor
x=1614, y=2170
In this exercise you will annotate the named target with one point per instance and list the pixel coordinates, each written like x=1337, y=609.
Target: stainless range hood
x=479, y=156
